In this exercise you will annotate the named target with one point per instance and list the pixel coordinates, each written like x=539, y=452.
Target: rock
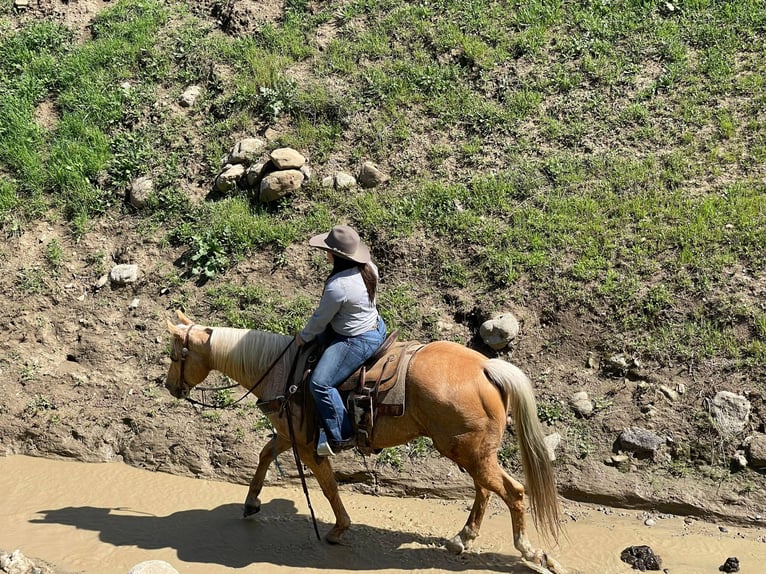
x=669, y=393
x=756, y=451
x=344, y=180
x=639, y=440
x=124, y=274
x=731, y=565
x=253, y=173
x=618, y=459
x=140, y=191
x=153, y=567
x=229, y=177
x=280, y=183
x=103, y=280
x=16, y=563
x=247, y=150
x=306, y=171
x=552, y=442
x=641, y=558
x=730, y=412
x=739, y=460
x=189, y=97
x=581, y=404
x=500, y=331
x=328, y=181
x=371, y=176
x=287, y=158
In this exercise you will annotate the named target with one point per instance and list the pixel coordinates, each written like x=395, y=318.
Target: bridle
x=182, y=359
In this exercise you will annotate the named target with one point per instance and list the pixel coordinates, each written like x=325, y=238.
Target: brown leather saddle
x=376, y=389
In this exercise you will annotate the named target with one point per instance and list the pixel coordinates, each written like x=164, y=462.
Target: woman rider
x=347, y=321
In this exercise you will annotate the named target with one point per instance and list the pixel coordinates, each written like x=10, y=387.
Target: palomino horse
x=456, y=396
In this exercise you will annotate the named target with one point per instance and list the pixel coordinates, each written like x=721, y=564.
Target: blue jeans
x=341, y=358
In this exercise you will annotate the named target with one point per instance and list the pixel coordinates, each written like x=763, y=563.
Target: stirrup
x=323, y=449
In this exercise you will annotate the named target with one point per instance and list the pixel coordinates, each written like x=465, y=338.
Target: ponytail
x=366, y=270
x=370, y=279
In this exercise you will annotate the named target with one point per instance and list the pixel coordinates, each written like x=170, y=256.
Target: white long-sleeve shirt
x=345, y=306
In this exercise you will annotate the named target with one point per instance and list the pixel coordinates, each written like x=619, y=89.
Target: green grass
x=605, y=157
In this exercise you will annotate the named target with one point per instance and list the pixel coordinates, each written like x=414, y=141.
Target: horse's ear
x=183, y=318
x=173, y=329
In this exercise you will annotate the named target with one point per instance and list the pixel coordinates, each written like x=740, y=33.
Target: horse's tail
x=519, y=397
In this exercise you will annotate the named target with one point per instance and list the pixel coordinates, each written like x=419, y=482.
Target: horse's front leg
x=325, y=476
x=276, y=446
x=470, y=531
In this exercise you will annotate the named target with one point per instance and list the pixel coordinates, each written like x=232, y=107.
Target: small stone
x=581, y=404
x=328, y=181
x=649, y=522
x=731, y=565
x=134, y=303
x=552, y=442
x=371, y=176
x=153, y=567
x=253, y=173
x=189, y=97
x=124, y=274
x=669, y=393
x=344, y=180
x=140, y=190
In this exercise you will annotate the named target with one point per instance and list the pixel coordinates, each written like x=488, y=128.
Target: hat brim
x=361, y=255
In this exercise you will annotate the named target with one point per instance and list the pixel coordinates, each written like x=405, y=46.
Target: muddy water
x=104, y=518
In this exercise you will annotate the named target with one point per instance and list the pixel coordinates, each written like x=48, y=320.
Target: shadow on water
x=278, y=535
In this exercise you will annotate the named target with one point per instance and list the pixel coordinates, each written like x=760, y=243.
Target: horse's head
x=189, y=356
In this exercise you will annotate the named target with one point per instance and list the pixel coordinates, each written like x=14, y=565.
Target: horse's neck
x=252, y=358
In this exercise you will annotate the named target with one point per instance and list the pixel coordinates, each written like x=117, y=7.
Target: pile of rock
x=282, y=171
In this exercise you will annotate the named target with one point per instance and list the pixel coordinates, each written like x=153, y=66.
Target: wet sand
x=104, y=518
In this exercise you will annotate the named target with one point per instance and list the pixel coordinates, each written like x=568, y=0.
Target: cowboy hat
x=343, y=241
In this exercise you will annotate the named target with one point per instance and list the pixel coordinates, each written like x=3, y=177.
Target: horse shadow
x=278, y=535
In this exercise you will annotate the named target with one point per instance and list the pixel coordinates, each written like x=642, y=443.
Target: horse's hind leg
x=276, y=446
x=494, y=478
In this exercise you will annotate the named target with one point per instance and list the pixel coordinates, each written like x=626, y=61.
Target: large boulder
x=500, y=331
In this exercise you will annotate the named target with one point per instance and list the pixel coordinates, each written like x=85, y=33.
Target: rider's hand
x=299, y=342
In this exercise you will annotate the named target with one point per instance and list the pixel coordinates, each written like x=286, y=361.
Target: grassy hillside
x=598, y=162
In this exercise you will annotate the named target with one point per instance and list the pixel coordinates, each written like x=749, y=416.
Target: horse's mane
x=245, y=353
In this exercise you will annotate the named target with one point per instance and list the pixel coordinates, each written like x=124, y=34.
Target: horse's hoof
x=251, y=509
x=455, y=545
x=333, y=537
